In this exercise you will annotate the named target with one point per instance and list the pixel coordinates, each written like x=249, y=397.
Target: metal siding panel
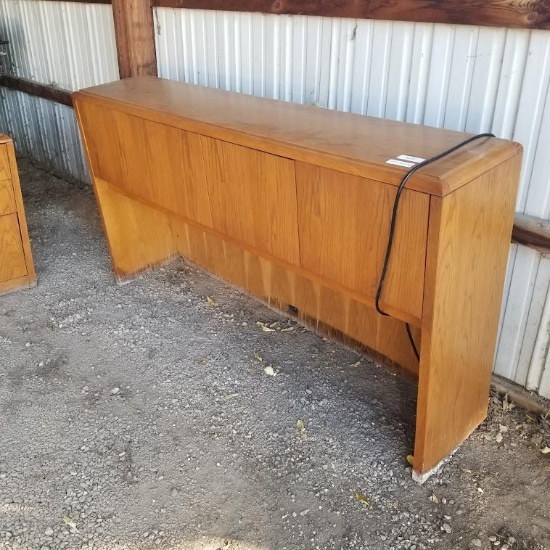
x=538, y=196
x=506, y=292
x=66, y=44
x=461, y=78
x=514, y=61
x=45, y=132
x=516, y=313
x=361, y=67
x=544, y=387
x=539, y=353
x=420, y=72
x=439, y=75
x=532, y=100
x=529, y=361
x=399, y=71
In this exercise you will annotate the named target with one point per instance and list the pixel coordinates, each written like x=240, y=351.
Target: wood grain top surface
x=355, y=144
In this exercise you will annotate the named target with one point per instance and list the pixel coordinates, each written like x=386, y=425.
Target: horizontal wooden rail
x=528, y=231
x=85, y=1
x=528, y=14
x=532, y=232
x=531, y=14
x=45, y=91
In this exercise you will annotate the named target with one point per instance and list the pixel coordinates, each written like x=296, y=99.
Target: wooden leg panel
x=468, y=244
x=139, y=237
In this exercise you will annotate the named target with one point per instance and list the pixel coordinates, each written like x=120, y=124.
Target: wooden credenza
x=16, y=266
x=293, y=204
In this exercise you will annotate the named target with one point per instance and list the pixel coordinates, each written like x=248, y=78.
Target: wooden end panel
x=101, y=140
x=253, y=197
x=344, y=223
x=468, y=247
x=7, y=200
x=138, y=235
x=12, y=256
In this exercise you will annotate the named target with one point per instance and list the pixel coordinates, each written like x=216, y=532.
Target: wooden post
x=135, y=39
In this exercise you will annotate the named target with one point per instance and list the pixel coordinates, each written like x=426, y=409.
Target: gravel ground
x=160, y=414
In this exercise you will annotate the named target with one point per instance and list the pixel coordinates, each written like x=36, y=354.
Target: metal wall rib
x=66, y=44
x=475, y=79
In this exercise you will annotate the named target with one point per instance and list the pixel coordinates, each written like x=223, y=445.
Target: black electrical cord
x=411, y=340
x=393, y=221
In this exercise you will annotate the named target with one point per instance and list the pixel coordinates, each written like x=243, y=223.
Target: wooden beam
x=135, y=39
x=85, y=1
x=520, y=396
x=52, y=93
x=531, y=14
x=532, y=232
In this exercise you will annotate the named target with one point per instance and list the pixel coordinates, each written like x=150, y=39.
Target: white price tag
x=396, y=162
x=411, y=159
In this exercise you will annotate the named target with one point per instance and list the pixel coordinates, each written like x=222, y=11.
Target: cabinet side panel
x=468, y=245
x=101, y=141
x=344, y=223
x=139, y=236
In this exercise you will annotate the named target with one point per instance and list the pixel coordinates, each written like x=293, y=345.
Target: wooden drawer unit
x=16, y=266
x=294, y=204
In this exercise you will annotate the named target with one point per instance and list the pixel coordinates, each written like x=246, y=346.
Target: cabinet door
x=158, y=163
x=12, y=258
x=252, y=197
x=344, y=224
x=7, y=202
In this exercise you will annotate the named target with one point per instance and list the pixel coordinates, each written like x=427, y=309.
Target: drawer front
x=344, y=223
x=4, y=163
x=12, y=257
x=7, y=201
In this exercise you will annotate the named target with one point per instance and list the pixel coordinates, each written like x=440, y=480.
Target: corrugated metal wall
x=475, y=79
x=45, y=131
x=466, y=78
x=67, y=44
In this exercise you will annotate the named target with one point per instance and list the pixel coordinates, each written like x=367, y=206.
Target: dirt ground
x=147, y=416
